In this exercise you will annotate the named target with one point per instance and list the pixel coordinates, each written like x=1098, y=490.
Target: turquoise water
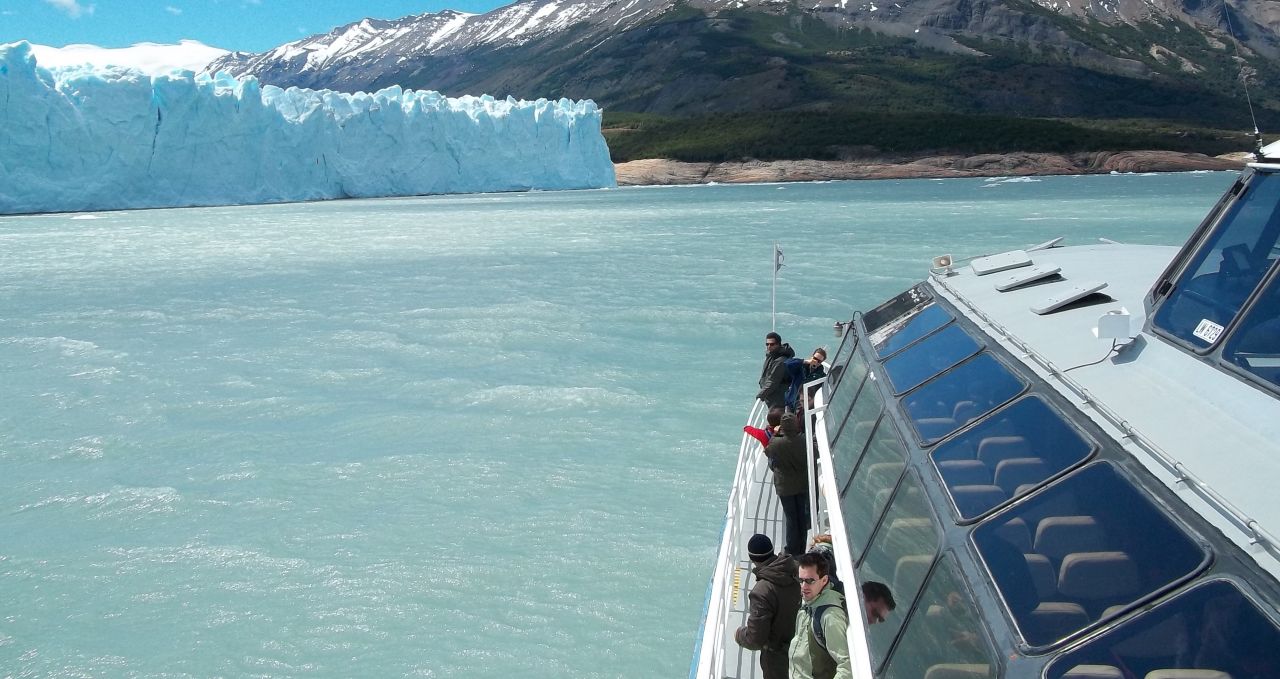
x=468, y=436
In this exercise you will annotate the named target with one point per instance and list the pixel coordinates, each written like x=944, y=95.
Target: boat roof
x=1210, y=436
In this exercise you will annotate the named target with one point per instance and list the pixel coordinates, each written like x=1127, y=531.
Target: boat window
x=899, y=556
x=1083, y=550
x=843, y=398
x=1213, y=628
x=856, y=430
x=924, y=321
x=1219, y=278
x=944, y=636
x=1255, y=344
x=959, y=396
x=1007, y=455
x=895, y=308
x=928, y=357
x=865, y=495
x=836, y=362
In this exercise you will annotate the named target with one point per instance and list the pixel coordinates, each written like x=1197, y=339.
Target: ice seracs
x=92, y=138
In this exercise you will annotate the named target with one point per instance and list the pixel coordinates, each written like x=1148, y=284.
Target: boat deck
x=762, y=513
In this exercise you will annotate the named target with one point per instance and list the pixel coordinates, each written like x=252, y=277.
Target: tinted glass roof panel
x=864, y=497
x=851, y=385
x=927, y=320
x=963, y=394
x=1084, y=550
x=928, y=357
x=1211, y=628
x=1007, y=455
x=944, y=636
x=899, y=556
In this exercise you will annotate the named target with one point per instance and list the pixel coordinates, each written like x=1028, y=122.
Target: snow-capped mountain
x=1035, y=57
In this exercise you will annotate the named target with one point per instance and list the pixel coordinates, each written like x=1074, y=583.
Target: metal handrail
x=859, y=650
x=710, y=648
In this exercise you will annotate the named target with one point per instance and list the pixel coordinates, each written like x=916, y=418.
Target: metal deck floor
x=763, y=515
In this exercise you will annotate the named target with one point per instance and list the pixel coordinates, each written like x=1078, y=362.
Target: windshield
x=1255, y=343
x=1218, y=280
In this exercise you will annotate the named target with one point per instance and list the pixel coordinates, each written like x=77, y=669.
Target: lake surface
x=459, y=436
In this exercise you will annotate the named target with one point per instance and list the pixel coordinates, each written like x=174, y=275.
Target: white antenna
x=777, y=264
x=1244, y=78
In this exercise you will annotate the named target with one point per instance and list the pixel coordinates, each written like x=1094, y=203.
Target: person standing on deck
x=773, y=377
x=826, y=657
x=773, y=603
x=801, y=371
x=789, y=462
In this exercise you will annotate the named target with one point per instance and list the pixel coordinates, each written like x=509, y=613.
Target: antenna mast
x=1244, y=80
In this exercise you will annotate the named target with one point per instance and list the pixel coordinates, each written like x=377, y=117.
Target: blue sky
x=249, y=25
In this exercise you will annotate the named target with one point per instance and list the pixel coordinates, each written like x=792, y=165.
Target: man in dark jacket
x=789, y=462
x=774, y=601
x=773, y=377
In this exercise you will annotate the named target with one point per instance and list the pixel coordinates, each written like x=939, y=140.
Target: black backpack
x=818, y=633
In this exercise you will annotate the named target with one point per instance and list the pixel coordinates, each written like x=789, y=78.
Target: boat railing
x=710, y=651
x=823, y=486
x=1246, y=524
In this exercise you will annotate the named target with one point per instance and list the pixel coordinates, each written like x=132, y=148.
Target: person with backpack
x=820, y=647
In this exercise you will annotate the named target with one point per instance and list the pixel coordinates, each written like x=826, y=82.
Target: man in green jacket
x=810, y=658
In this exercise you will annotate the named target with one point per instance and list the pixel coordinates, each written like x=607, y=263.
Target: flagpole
x=773, y=312
x=777, y=264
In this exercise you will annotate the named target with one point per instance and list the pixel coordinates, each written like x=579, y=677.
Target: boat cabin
x=1060, y=470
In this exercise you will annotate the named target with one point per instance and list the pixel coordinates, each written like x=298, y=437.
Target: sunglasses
x=809, y=581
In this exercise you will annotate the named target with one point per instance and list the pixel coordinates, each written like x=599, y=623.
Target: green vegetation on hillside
x=832, y=135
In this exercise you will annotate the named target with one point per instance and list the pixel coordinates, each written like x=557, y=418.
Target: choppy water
x=475, y=436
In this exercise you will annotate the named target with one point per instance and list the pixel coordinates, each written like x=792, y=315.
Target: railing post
x=810, y=422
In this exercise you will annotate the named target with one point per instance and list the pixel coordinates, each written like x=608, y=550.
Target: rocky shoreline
x=668, y=172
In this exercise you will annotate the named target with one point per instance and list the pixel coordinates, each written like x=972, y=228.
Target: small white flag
x=777, y=258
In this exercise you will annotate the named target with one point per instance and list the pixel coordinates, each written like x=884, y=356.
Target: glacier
x=84, y=138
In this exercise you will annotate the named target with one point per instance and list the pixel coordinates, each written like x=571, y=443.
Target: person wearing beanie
x=772, y=606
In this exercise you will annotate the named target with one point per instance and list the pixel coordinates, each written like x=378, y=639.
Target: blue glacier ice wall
x=109, y=138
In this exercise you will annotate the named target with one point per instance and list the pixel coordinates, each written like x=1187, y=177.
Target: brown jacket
x=788, y=458
x=774, y=602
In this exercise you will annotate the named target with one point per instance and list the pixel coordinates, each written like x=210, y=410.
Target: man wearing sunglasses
x=821, y=650
x=773, y=377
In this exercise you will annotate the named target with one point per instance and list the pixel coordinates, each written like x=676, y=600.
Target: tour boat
x=1063, y=461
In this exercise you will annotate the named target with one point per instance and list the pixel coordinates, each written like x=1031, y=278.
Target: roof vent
x=1065, y=297
x=1001, y=262
x=1028, y=275
x=1052, y=243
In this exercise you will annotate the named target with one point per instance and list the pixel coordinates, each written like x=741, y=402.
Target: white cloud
x=72, y=8
x=173, y=10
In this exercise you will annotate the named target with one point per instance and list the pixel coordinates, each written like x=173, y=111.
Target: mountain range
x=1186, y=62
